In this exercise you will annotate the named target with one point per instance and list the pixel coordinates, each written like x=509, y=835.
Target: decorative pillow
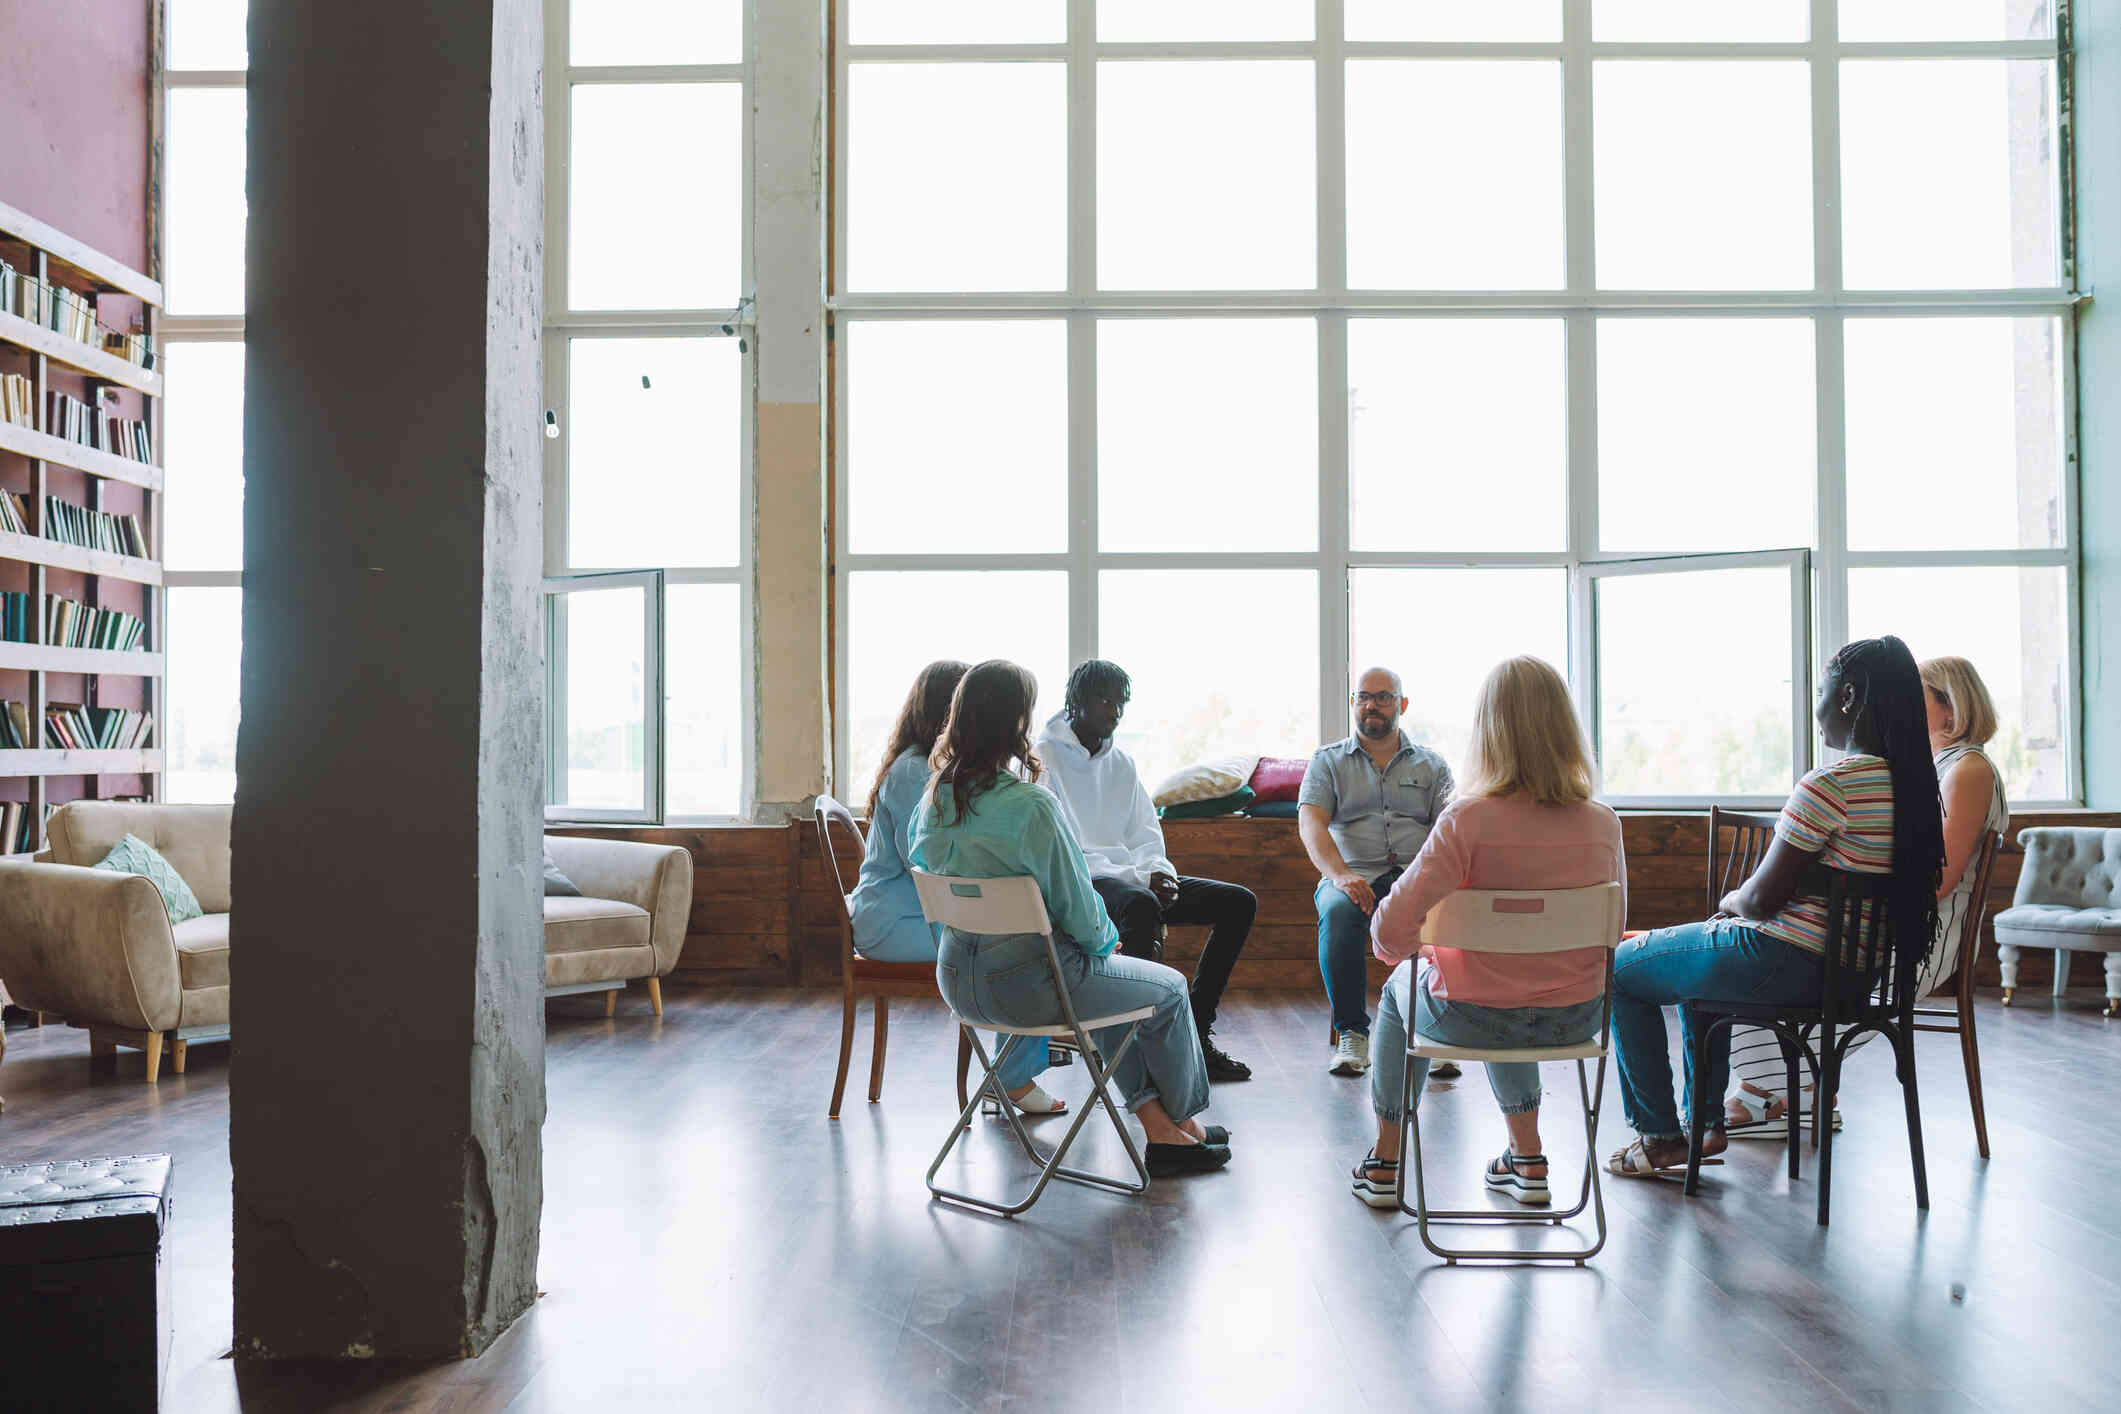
x=133, y=855
x=1208, y=809
x=1273, y=810
x=1278, y=777
x=557, y=885
x=1209, y=780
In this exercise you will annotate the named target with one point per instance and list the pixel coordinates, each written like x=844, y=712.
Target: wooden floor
x=712, y=1242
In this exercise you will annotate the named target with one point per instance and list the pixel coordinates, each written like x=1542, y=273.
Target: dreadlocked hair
x=920, y=719
x=1889, y=702
x=987, y=736
x=1095, y=677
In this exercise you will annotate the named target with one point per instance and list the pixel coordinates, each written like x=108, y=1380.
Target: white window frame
x=555, y=592
x=1579, y=305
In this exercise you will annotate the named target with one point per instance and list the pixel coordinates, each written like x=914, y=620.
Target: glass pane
x=938, y=201
x=1426, y=470
x=1731, y=740
x=1705, y=434
x=1429, y=210
x=208, y=34
x=1877, y=21
x=654, y=451
x=899, y=622
x=657, y=32
x=202, y=451
x=1955, y=433
x=599, y=639
x=703, y=747
x=957, y=436
x=1947, y=174
x=1700, y=21
x=1207, y=434
x=1241, y=679
x=1129, y=21
x=1206, y=176
x=1719, y=201
x=2013, y=625
x=1393, y=622
x=202, y=696
x=1494, y=22
x=959, y=22
x=204, y=202
x=640, y=234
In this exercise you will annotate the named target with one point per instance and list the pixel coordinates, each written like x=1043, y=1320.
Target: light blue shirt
x=884, y=908
x=1379, y=819
x=1016, y=828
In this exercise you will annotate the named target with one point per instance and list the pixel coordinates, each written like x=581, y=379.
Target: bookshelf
x=51, y=269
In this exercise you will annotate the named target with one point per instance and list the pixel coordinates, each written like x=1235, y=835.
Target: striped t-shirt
x=1844, y=814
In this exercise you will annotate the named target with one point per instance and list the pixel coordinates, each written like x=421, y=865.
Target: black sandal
x=1506, y=1175
x=1378, y=1192
x=1167, y=1160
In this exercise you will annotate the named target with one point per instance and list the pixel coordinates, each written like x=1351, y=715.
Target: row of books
x=72, y=420
x=14, y=726
x=93, y=530
x=18, y=400
x=19, y=828
x=79, y=728
x=68, y=312
x=68, y=624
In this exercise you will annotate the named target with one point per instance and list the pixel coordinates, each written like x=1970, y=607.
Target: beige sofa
x=97, y=948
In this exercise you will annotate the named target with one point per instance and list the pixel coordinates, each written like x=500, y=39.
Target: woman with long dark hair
x=1875, y=811
x=984, y=818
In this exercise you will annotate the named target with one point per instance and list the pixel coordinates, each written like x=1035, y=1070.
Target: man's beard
x=1375, y=728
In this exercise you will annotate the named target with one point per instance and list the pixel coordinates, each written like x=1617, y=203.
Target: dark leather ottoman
x=84, y=1293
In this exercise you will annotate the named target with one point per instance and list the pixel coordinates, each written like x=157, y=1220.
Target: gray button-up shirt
x=1378, y=819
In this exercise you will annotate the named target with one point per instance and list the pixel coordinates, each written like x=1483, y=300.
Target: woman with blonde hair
x=1523, y=819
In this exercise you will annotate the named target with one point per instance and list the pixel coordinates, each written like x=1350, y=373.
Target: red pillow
x=1277, y=778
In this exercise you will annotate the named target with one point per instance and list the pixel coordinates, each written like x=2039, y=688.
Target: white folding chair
x=1014, y=905
x=1518, y=921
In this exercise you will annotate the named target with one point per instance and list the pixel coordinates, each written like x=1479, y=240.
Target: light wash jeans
x=1515, y=1083
x=1004, y=979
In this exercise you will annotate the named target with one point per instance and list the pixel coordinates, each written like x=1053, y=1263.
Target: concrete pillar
x=387, y=1079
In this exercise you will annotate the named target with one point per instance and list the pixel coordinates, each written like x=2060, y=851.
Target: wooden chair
x=1959, y=1020
x=1751, y=834
x=860, y=978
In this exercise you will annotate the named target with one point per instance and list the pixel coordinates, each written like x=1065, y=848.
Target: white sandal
x=1036, y=1102
x=1758, y=1123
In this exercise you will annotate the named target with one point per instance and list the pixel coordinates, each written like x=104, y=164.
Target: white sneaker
x=1352, y=1055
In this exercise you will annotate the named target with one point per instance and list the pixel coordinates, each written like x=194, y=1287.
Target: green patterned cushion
x=133, y=855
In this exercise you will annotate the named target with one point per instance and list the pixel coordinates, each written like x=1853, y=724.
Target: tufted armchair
x=2069, y=899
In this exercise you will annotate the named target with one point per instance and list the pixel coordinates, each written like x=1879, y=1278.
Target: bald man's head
x=1379, y=699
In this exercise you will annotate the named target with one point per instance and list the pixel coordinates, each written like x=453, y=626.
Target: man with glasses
x=1365, y=808
x=1102, y=798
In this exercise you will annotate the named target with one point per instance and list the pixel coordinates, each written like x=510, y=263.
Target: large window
x=1251, y=344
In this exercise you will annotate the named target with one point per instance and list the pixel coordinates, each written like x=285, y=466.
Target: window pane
x=2012, y=625
x=654, y=442
x=657, y=32
x=1955, y=434
x=1206, y=176
x=1241, y=679
x=641, y=235
x=205, y=204
x=939, y=200
x=208, y=34
x=1494, y=22
x=1426, y=468
x=1948, y=173
x=1443, y=657
x=202, y=452
x=957, y=436
x=1429, y=210
x=1705, y=434
x=1207, y=434
x=1693, y=21
x=898, y=623
x=1128, y=21
x=1729, y=738
x=703, y=747
x=1721, y=200
x=959, y=22
x=600, y=634
x=1873, y=21
x=202, y=695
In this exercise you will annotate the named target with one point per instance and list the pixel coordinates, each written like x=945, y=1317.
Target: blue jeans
x=1006, y=980
x=1343, y=944
x=1515, y=1083
x=1721, y=960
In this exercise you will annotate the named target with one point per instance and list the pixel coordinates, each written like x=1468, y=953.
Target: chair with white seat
x=1015, y=905
x=1521, y=922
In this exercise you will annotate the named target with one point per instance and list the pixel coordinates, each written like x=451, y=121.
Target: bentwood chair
x=1014, y=905
x=860, y=977
x=1959, y=1019
x=1750, y=835
x=1520, y=922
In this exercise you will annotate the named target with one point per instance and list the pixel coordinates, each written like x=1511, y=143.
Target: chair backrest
x=827, y=813
x=1526, y=920
x=1979, y=870
x=2070, y=866
x=1732, y=864
x=1011, y=905
x=1860, y=928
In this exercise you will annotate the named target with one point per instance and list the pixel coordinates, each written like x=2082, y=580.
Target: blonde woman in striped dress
x=1962, y=719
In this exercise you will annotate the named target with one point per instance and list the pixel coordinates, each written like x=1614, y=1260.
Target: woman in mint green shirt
x=981, y=820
